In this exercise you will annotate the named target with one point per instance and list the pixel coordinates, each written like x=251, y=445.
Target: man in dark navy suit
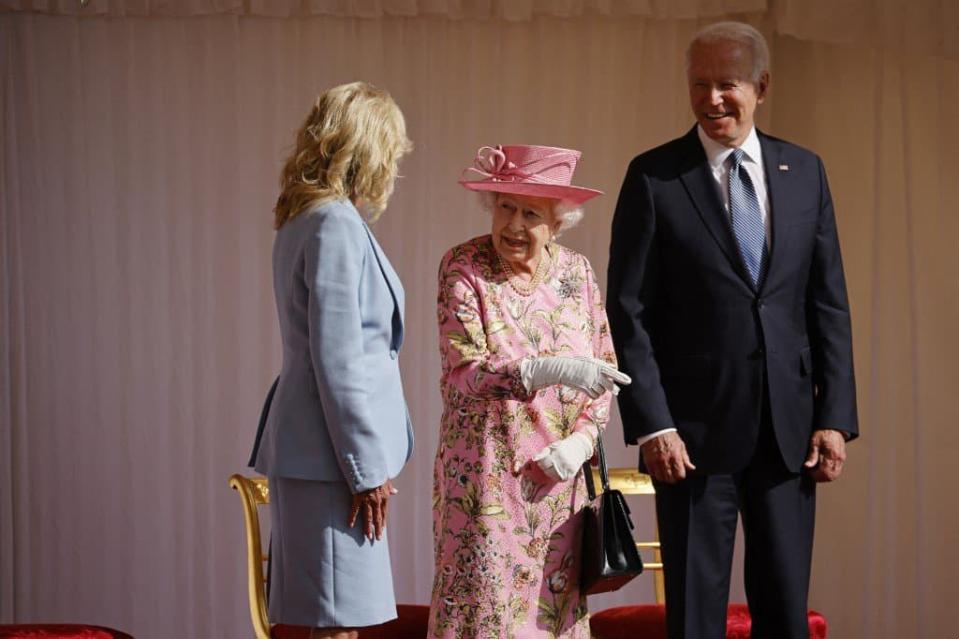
x=728, y=307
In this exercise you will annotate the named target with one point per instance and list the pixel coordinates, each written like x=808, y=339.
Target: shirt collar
x=717, y=153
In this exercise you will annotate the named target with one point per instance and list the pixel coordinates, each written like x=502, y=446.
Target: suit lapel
x=697, y=177
x=392, y=282
x=776, y=185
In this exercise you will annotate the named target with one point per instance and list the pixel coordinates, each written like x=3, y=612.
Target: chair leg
x=659, y=582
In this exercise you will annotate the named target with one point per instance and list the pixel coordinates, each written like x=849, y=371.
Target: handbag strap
x=603, y=470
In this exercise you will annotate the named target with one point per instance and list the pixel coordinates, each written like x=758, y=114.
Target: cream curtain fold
x=922, y=27
x=919, y=27
x=139, y=161
x=514, y=10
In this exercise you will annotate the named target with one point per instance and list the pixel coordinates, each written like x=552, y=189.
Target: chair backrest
x=254, y=492
x=411, y=619
x=630, y=481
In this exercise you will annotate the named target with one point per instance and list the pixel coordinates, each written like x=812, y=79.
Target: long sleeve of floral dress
x=468, y=361
x=596, y=414
x=506, y=536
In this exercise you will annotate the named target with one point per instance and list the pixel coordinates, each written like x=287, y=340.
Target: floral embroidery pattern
x=506, y=537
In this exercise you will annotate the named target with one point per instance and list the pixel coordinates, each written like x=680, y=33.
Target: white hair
x=740, y=33
x=566, y=212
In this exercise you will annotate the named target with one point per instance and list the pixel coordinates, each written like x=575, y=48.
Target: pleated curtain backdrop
x=141, y=145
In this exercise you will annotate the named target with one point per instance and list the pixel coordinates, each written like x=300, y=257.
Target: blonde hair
x=348, y=148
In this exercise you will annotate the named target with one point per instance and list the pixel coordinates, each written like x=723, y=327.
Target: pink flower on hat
x=524, y=169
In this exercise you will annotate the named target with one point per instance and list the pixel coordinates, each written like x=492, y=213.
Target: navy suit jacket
x=337, y=411
x=699, y=339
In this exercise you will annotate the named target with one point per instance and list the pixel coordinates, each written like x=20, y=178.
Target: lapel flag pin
x=783, y=167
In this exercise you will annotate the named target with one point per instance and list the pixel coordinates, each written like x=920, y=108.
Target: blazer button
x=393, y=353
x=760, y=304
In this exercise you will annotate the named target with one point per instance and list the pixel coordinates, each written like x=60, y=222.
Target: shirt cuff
x=645, y=438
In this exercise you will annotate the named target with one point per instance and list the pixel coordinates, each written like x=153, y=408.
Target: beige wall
x=137, y=333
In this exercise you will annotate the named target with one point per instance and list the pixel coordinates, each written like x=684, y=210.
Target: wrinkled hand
x=563, y=459
x=827, y=454
x=591, y=375
x=666, y=458
x=373, y=504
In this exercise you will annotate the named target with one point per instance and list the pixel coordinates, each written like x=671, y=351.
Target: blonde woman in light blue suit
x=337, y=429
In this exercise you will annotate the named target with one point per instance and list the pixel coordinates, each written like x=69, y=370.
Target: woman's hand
x=374, y=504
x=563, y=459
x=591, y=375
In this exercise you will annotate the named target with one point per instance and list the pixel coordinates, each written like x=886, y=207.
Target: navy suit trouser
x=697, y=526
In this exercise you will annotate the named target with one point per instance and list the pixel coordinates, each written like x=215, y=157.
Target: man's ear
x=762, y=86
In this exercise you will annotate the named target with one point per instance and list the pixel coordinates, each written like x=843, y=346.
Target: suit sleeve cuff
x=362, y=477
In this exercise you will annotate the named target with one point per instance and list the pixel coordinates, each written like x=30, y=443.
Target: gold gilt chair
x=254, y=492
x=649, y=621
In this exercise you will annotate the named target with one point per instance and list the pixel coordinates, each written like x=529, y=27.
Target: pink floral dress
x=506, y=536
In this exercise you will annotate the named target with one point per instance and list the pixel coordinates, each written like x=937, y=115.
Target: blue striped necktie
x=745, y=217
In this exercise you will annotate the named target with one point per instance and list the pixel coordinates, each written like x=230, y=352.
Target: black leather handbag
x=610, y=559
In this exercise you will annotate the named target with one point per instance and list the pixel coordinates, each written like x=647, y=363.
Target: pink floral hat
x=525, y=169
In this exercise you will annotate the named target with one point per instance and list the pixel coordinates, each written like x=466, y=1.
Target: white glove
x=563, y=459
x=588, y=374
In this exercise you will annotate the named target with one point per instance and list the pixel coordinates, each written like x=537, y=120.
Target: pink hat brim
x=575, y=194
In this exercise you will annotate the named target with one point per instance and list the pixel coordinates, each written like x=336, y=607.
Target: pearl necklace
x=524, y=290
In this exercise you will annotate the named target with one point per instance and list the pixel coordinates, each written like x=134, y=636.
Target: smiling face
x=721, y=90
x=522, y=225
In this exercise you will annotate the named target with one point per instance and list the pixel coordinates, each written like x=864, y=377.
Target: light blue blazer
x=338, y=412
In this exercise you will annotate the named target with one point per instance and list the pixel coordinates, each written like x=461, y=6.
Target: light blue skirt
x=323, y=573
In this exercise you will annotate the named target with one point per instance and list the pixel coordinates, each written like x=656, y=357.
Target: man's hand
x=827, y=454
x=374, y=504
x=666, y=458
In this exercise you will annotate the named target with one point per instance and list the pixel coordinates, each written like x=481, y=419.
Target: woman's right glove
x=563, y=459
x=591, y=375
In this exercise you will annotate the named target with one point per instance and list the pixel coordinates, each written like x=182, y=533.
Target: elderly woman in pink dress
x=528, y=374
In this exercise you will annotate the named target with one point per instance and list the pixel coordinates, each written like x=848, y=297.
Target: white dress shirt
x=717, y=155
